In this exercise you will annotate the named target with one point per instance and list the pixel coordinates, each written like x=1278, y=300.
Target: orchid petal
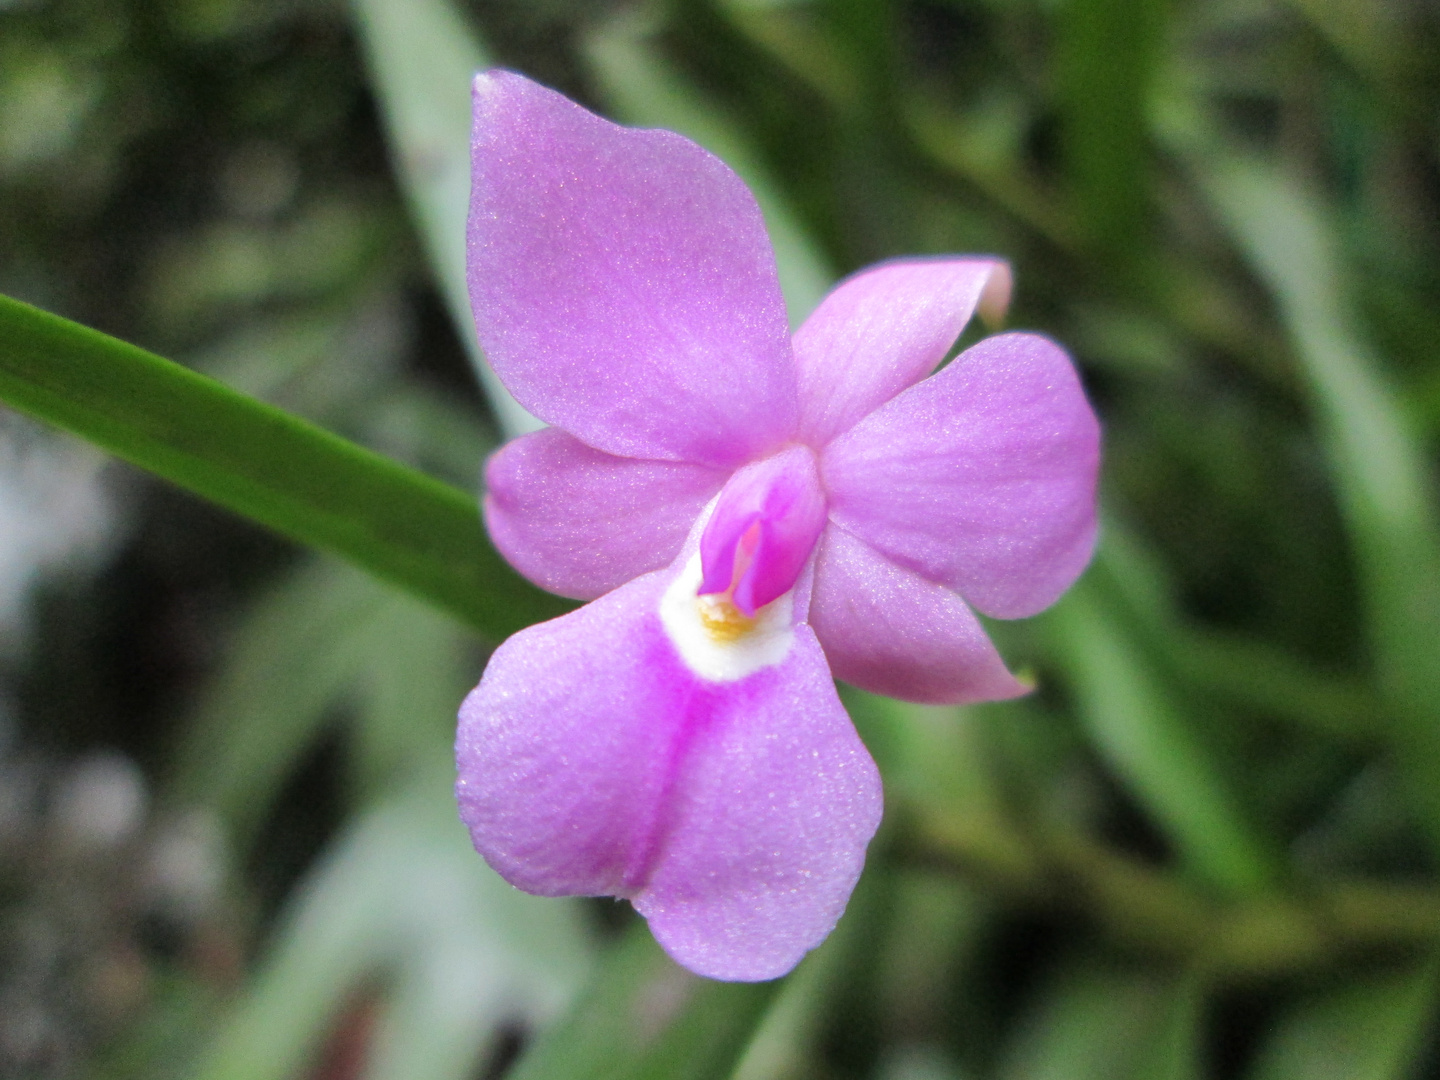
x=623, y=284
x=762, y=530
x=564, y=749
x=980, y=478
x=890, y=631
x=884, y=329
x=580, y=522
x=594, y=760
x=768, y=832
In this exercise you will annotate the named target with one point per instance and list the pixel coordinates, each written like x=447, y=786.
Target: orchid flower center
x=722, y=620
x=730, y=611
x=758, y=539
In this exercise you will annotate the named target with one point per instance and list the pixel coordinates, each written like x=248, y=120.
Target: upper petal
x=580, y=522
x=981, y=478
x=891, y=631
x=623, y=284
x=884, y=329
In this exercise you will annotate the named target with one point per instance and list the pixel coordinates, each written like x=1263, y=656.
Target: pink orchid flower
x=750, y=513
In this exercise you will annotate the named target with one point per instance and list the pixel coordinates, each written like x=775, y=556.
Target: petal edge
x=981, y=478
x=882, y=330
x=891, y=631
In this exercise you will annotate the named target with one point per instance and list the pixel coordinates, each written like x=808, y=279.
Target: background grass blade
x=1108, y=52
x=422, y=57
x=1366, y=1029
x=1379, y=468
x=645, y=1018
x=1146, y=734
x=302, y=481
x=1093, y=1018
x=402, y=904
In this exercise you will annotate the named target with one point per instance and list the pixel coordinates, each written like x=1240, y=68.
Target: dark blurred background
x=1204, y=848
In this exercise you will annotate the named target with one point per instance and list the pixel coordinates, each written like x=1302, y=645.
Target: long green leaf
x=296, y=478
x=644, y=1018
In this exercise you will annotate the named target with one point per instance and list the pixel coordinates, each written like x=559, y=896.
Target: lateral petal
x=580, y=522
x=884, y=329
x=891, y=631
x=623, y=283
x=564, y=750
x=981, y=478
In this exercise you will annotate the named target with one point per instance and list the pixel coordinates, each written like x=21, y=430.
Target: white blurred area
x=98, y=886
x=55, y=513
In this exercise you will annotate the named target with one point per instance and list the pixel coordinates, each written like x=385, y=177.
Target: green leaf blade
x=283, y=472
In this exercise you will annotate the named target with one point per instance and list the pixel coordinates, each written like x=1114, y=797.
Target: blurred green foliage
x=1205, y=847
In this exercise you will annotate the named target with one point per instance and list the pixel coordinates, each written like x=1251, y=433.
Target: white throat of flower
x=717, y=642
